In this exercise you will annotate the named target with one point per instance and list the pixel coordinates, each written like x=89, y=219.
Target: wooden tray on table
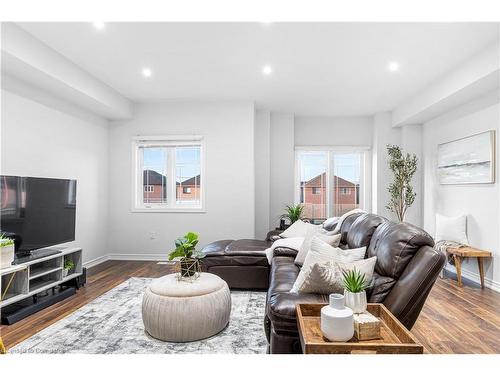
x=395, y=338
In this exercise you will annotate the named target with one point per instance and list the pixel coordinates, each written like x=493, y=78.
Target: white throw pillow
x=328, y=278
x=332, y=240
x=451, y=229
x=321, y=252
x=298, y=229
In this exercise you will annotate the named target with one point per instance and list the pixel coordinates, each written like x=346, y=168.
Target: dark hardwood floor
x=454, y=320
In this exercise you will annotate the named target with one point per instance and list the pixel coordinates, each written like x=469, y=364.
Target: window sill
x=169, y=210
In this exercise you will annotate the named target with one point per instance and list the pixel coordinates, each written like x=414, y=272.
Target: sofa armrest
x=408, y=295
x=284, y=252
x=273, y=233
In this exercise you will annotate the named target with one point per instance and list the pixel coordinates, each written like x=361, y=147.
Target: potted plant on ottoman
x=189, y=256
x=68, y=266
x=355, y=294
x=7, y=251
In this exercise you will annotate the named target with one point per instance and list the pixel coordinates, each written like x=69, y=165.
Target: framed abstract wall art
x=469, y=160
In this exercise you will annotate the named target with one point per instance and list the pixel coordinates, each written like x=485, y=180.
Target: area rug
x=112, y=323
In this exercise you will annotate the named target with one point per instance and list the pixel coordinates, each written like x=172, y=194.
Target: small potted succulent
x=68, y=266
x=355, y=294
x=6, y=251
x=292, y=214
x=186, y=251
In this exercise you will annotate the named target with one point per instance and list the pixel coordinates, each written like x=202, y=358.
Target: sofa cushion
x=361, y=230
x=235, y=253
x=246, y=246
x=217, y=248
x=280, y=302
x=346, y=226
x=394, y=245
x=379, y=288
x=330, y=223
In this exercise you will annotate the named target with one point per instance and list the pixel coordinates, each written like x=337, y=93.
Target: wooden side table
x=459, y=253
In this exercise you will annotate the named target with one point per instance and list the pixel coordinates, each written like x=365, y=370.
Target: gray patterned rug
x=112, y=323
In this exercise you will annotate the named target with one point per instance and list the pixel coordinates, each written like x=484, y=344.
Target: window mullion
x=140, y=176
x=171, y=177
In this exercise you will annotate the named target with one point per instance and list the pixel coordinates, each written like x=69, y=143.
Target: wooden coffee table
x=395, y=338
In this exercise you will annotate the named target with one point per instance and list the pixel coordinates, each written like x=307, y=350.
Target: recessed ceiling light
x=393, y=66
x=147, y=72
x=267, y=70
x=99, y=25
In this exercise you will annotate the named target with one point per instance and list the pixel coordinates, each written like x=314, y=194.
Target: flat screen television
x=37, y=212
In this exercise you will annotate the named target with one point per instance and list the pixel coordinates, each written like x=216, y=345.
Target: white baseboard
x=96, y=261
x=474, y=277
x=116, y=256
x=138, y=257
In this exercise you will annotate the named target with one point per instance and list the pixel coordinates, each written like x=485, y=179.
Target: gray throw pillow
x=326, y=278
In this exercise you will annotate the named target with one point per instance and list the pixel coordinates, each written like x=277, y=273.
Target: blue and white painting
x=469, y=160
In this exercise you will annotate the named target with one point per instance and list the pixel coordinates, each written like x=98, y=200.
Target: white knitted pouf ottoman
x=186, y=310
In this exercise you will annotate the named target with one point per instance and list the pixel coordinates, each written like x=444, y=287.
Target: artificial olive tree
x=403, y=167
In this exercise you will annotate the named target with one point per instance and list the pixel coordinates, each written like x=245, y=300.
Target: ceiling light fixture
x=267, y=70
x=147, y=72
x=393, y=66
x=99, y=25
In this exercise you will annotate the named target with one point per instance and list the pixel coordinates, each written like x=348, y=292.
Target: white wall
x=383, y=134
x=282, y=165
x=333, y=131
x=479, y=202
x=40, y=141
x=228, y=130
x=262, y=172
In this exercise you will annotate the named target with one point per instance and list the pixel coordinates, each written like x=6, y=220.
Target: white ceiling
x=336, y=69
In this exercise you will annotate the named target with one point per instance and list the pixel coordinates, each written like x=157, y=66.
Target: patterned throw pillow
x=321, y=252
x=306, y=245
x=326, y=278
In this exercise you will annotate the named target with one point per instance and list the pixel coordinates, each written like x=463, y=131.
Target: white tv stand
x=27, y=279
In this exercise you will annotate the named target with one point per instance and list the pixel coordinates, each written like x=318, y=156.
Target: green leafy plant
x=403, y=167
x=293, y=212
x=186, y=247
x=5, y=241
x=354, y=280
x=68, y=264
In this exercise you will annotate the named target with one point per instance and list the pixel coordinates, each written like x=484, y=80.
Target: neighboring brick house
x=189, y=190
x=154, y=188
x=313, y=196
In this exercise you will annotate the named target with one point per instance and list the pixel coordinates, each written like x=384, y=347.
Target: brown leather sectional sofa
x=406, y=269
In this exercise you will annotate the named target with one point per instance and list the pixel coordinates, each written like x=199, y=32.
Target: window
x=329, y=182
x=168, y=174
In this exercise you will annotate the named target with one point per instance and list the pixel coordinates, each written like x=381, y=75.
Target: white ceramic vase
x=356, y=301
x=337, y=323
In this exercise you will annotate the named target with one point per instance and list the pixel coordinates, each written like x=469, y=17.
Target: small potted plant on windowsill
x=68, y=266
x=6, y=251
x=188, y=255
x=354, y=290
x=292, y=214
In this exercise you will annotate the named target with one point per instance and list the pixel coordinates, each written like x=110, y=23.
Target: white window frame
x=138, y=204
x=364, y=180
